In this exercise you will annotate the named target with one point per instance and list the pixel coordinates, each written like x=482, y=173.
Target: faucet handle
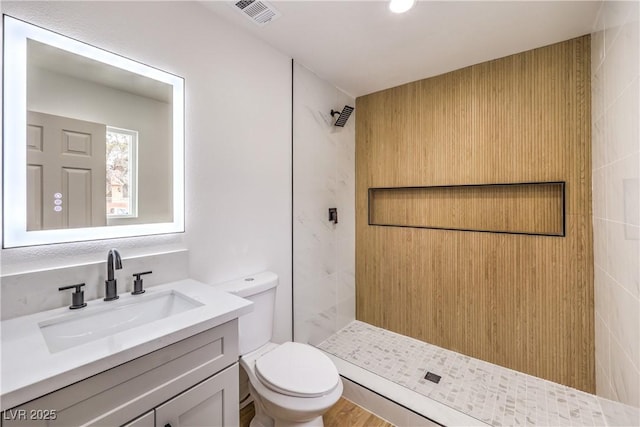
x=137, y=284
x=77, y=297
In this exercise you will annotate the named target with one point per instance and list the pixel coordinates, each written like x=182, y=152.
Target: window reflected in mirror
x=122, y=173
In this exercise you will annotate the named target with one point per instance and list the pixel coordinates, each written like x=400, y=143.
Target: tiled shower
x=323, y=178
x=615, y=74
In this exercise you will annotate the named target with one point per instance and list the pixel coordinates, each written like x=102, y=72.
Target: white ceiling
x=361, y=47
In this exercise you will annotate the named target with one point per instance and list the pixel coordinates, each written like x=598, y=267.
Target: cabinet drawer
x=120, y=394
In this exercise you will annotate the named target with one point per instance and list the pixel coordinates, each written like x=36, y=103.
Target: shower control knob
x=333, y=215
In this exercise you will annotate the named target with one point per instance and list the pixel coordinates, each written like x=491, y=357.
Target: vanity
x=178, y=368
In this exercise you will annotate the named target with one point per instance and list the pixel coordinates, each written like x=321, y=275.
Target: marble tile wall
x=323, y=177
x=616, y=199
x=489, y=393
x=33, y=291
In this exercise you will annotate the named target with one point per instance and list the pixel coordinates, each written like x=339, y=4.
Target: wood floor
x=246, y=415
x=343, y=414
x=347, y=413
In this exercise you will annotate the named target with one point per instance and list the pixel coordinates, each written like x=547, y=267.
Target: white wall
x=238, y=139
x=616, y=200
x=324, y=177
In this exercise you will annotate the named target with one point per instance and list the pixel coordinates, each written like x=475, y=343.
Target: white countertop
x=30, y=370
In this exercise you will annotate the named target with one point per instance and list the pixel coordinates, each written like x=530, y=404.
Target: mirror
x=93, y=142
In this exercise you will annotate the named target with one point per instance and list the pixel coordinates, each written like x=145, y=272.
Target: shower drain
x=432, y=377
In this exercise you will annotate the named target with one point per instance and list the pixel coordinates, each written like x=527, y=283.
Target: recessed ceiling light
x=401, y=6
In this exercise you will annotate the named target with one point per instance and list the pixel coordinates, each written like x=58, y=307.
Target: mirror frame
x=15, y=234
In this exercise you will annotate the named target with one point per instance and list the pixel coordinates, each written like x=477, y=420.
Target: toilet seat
x=297, y=370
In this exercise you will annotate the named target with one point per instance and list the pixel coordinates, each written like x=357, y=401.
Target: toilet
x=292, y=384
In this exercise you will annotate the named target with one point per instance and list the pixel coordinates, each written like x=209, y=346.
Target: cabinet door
x=213, y=402
x=146, y=420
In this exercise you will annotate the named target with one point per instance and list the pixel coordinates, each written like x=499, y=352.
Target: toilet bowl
x=292, y=384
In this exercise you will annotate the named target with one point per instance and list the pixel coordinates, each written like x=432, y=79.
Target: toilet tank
x=255, y=328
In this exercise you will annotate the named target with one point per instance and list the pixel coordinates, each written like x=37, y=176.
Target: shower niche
x=531, y=208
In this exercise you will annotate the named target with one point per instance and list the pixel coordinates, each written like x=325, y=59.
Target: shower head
x=343, y=116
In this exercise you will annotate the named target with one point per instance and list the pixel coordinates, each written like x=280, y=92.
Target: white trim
x=381, y=407
x=133, y=172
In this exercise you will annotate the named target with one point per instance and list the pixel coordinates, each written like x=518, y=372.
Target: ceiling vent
x=260, y=12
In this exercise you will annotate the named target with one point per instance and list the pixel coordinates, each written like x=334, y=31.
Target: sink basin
x=91, y=323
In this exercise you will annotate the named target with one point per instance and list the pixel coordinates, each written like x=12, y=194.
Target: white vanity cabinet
x=213, y=402
x=146, y=420
x=193, y=382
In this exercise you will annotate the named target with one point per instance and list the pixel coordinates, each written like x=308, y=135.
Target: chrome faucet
x=111, y=284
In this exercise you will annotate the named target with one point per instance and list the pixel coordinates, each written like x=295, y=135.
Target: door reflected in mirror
x=93, y=142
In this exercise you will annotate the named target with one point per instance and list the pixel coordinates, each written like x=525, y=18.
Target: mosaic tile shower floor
x=490, y=393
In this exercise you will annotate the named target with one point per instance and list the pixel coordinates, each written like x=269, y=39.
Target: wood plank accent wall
x=524, y=302
x=534, y=208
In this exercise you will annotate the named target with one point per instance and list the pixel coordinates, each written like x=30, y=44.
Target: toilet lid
x=298, y=370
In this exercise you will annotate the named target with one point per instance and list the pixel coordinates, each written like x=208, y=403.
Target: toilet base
x=274, y=409
x=261, y=419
